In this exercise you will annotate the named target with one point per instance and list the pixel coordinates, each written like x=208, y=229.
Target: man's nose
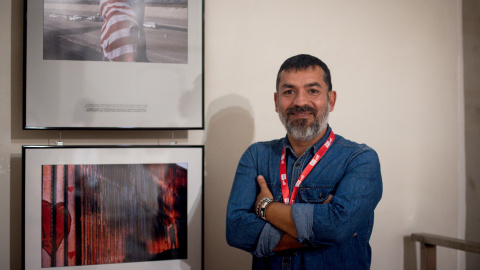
x=301, y=98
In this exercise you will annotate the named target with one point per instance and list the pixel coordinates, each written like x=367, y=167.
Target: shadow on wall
x=230, y=129
x=471, y=58
x=15, y=212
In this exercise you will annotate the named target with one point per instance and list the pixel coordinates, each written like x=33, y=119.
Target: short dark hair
x=302, y=62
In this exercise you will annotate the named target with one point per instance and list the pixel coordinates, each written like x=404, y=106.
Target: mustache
x=304, y=108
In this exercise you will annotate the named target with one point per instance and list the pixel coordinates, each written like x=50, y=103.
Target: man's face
x=303, y=102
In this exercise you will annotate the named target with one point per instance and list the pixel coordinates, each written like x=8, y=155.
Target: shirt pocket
x=314, y=194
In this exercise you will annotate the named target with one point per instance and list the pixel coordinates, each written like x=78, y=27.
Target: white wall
x=395, y=66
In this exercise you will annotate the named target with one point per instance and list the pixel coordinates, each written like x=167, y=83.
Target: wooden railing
x=429, y=243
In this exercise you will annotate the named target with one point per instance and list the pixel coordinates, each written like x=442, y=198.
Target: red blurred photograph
x=103, y=214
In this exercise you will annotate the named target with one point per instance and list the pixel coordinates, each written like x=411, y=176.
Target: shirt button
x=297, y=164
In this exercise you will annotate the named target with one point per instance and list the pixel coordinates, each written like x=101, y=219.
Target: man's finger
x=261, y=182
x=329, y=198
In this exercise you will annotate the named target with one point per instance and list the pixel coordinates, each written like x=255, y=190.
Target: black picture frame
x=106, y=207
x=68, y=86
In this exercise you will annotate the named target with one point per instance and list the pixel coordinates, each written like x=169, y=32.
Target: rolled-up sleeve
x=267, y=241
x=302, y=214
x=353, y=203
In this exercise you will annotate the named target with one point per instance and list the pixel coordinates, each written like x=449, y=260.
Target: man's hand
x=277, y=213
x=329, y=198
x=264, y=191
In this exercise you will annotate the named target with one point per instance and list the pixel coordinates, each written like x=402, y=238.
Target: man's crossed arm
x=280, y=216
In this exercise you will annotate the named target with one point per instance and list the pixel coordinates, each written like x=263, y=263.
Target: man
x=122, y=33
x=305, y=201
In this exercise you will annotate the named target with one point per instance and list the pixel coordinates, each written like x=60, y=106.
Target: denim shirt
x=337, y=233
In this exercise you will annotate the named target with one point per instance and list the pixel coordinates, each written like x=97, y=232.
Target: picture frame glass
x=108, y=64
x=108, y=207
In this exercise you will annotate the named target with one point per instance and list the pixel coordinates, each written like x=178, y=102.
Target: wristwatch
x=263, y=208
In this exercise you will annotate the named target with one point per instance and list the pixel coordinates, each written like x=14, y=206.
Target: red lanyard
x=283, y=170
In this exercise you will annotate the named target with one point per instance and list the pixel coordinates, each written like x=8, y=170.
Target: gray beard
x=301, y=131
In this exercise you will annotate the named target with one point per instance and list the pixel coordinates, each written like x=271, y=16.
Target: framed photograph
x=106, y=207
x=114, y=64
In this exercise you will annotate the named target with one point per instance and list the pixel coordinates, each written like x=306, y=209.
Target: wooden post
x=428, y=243
x=428, y=259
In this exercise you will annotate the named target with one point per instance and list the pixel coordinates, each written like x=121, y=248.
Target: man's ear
x=275, y=97
x=333, y=98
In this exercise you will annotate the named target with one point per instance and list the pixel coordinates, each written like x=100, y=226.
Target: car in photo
x=95, y=18
x=75, y=18
x=152, y=25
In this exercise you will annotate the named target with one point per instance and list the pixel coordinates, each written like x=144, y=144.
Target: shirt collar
x=313, y=148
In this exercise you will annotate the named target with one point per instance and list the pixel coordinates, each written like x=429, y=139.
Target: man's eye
x=314, y=91
x=287, y=92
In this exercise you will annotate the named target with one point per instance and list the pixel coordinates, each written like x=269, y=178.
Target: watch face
x=264, y=207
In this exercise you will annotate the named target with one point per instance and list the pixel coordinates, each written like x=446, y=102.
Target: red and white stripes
x=119, y=33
